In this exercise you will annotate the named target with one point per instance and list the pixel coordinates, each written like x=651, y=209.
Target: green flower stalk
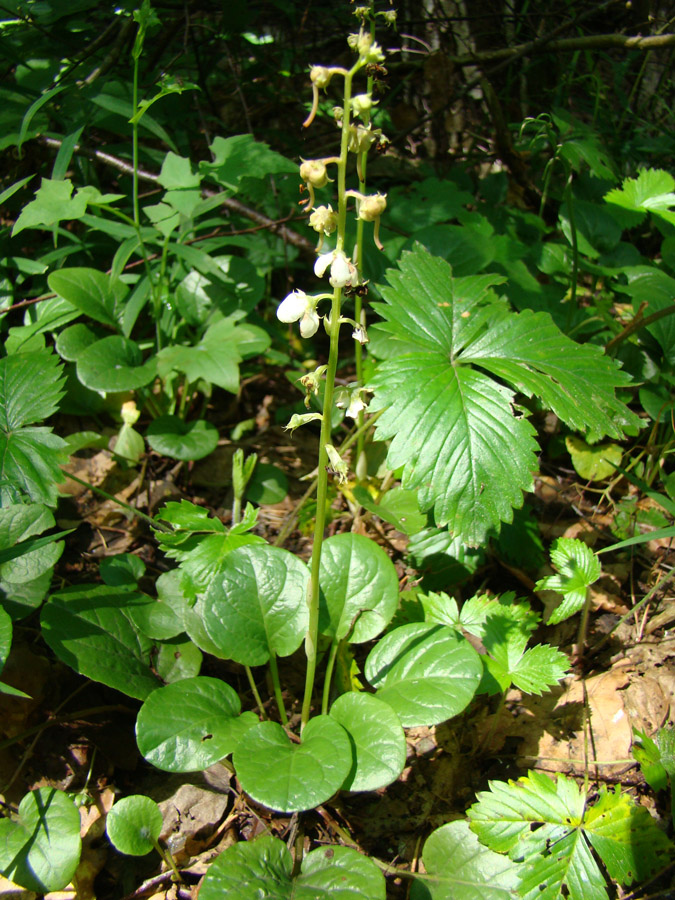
x=342, y=272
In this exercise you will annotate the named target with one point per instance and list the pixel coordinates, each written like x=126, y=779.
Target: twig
x=639, y=322
x=230, y=203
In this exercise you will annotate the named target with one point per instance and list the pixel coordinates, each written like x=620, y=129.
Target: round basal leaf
x=40, y=851
x=74, y=340
x=114, y=364
x=268, y=485
x=263, y=868
x=378, y=740
x=594, y=462
x=134, y=825
x=123, y=569
x=163, y=619
x=256, y=605
x=190, y=725
x=177, y=660
x=290, y=777
x=459, y=867
x=359, y=588
x=426, y=673
x=91, y=629
x=177, y=439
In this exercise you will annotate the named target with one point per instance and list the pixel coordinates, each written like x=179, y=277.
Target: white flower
x=341, y=269
x=293, y=307
x=309, y=323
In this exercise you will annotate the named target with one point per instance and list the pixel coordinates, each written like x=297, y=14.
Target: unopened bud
x=129, y=413
x=337, y=464
x=372, y=207
x=389, y=16
x=362, y=103
x=313, y=171
x=320, y=76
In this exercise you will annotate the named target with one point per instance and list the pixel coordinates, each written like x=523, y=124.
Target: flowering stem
x=312, y=635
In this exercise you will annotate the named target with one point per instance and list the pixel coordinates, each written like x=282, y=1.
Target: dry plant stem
x=322, y=483
x=648, y=596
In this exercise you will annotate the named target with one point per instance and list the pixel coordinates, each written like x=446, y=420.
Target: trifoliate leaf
x=578, y=568
x=30, y=390
x=548, y=826
x=456, y=357
x=508, y=662
x=444, y=610
x=651, y=191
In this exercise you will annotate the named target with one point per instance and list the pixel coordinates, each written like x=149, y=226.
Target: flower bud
x=323, y=220
x=337, y=464
x=372, y=207
x=129, y=413
x=320, y=76
x=298, y=419
x=313, y=171
x=389, y=16
x=362, y=103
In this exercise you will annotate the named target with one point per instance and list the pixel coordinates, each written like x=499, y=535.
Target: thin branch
x=586, y=42
x=638, y=322
x=230, y=203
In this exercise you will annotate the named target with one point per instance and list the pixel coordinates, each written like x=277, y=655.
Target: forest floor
x=78, y=736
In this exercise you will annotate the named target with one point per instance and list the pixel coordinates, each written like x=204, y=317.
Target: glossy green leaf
x=178, y=659
x=359, y=588
x=114, y=364
x=289, y=777
x=177, y=439
x=378, y=740
x=191, y=724
x=90, y=291
x=578, y=568
x=31, y=385
x=5, y=646
x=91, y=629
x=426, y=673
x=460, y=868
x=267, y=485
x=529, y=817
x=74, y=340
x=263, y=868
x=449, y=395
x=41, y=849
x=256, y=605
x=444, y=610
x=134, y=825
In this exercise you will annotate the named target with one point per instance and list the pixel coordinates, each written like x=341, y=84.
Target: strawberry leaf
x=30, y=390
x=548, y=826
x=456, y=358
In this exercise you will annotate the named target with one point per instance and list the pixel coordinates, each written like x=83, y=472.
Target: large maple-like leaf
x=456, y=358
x=30, y=390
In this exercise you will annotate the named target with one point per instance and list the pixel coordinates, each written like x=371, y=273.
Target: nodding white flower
x=309, y=323
x=342, y=271
x=298, y=307
x=293, y=307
